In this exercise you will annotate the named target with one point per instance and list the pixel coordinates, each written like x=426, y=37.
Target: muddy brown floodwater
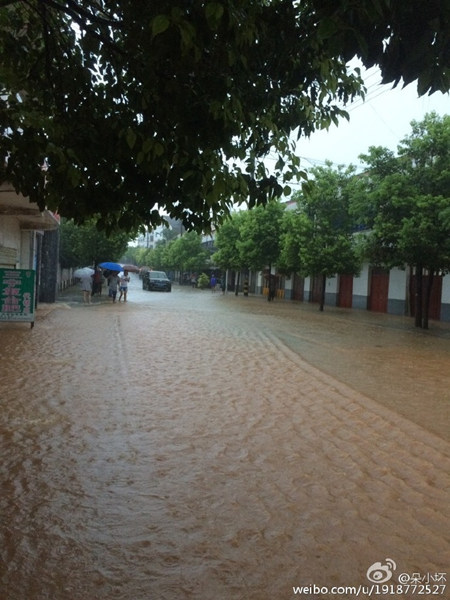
x=199, y=446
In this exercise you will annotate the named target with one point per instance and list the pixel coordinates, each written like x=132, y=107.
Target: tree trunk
x=418, y=296
x=322, y=293
x=426, y=308
x=236, y=290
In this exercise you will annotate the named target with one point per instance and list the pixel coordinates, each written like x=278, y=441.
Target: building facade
x=29, y=239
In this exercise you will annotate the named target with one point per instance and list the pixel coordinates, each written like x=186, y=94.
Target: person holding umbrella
x=97, y=282
x=85, y=276
x=123, y=285
x=86, y=287
x=113, y=282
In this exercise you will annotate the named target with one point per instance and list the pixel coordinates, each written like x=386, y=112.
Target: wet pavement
x=199, y=446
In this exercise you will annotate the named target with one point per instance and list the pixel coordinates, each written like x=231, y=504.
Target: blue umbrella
x=111, y=266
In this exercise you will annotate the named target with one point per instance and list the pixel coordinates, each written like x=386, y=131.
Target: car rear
x=157, y=281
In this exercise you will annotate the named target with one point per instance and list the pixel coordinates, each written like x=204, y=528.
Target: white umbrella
x=83, y=272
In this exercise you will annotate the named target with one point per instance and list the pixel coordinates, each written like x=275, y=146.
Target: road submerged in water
x=196, y=446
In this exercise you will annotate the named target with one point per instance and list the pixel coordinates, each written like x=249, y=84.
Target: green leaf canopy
x=142, y=107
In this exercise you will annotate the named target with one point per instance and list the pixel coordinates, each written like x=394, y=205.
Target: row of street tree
x=396, y=213
x=185, y=254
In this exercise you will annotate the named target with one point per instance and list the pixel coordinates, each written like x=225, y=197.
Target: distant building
x=151, y=237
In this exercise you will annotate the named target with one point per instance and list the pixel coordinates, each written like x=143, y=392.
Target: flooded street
x=198, y=446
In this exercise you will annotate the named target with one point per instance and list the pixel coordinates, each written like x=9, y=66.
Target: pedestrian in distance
x=113, y=282
x=272, y=287
x=86, y=287
x=213, y=283
x=97, y=282
x=124, y=280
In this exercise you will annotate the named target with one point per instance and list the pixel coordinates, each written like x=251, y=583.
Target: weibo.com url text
x=375, y=589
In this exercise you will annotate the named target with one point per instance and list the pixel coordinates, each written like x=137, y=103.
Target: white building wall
x=361, y=283
x=307, y=287
x=397, y=284
x=288, y=283
x=446, y=289
x=259, y=282
x=361, y=288
x=397, y=291
x=17, y=247
x=331, y=290
x=445, y=298
x=10, y=242
x=27, y=250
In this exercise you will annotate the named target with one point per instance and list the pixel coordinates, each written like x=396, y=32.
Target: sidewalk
x=70, y=297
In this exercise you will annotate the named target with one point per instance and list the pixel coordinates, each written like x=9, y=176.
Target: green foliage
x=203, y=281
x=250, y=239
x=132, y=255
x=157, y=257
x=176, y=110
x=83, y=245
x=318, y=238
x=408, y=206
x=186, y=253
x=260, y=234
x=226, y=243
x=407, y=203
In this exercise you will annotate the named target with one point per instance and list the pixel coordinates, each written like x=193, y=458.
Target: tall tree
x=319, y=239
x=260, y=234
x=138, y=107
x=228, y=237
x=158, y=257
x=227, y=254
x=409, y=204
x=187, y=253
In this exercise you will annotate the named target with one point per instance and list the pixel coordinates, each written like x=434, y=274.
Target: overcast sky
x=382, y=120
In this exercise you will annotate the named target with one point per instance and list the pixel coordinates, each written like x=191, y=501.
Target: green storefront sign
x=17, y=295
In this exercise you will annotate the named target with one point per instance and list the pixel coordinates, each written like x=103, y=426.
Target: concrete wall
x=10, y=243
x=361, y=288
x=28, y=250
x=17, y=247
x=307, y=289
x=445, y=299
x=288, y=283
x=259, y=283
x=398, y=280
x=331, y=291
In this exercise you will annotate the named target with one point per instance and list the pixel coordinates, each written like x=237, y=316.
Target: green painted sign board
x=17, y=295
